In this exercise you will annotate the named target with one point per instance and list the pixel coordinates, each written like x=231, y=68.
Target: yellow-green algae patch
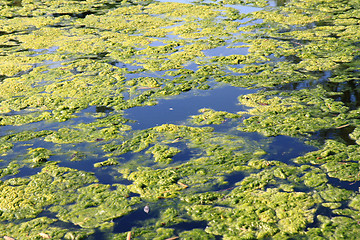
x=59, y=186
x=109, y=162
x=257, y=214
x=96, y=206
x=39, y=228
x=294, y=113
x=65, y=57
x=210, y=116
x=163, y=153
x=11, y=169
x=337, y=159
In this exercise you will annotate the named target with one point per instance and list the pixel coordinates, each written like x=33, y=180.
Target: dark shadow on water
x=284, y=148
x=324, y=211
x=353, y=186
x=134, y=219
x=138, y=217
x=341, y=134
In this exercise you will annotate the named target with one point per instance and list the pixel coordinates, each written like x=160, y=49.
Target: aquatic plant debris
x=73, y=166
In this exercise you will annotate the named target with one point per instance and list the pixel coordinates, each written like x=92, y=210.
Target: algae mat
x=163, y=120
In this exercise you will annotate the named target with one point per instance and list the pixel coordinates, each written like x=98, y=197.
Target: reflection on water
x=178, y=110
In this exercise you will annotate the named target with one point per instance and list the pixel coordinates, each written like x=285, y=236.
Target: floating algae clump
x=293, y=113
x=257, y=214
x=163, y=153
x=109, y=162
x=57, y=187
x=210, y=116
x=38, y=155
x=96, y=205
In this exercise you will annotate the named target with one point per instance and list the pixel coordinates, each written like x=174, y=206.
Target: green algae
x=96, y=206
x=57, y=187
x=163, y=153
x=64, y=58
x=245, y=220
x=141, y=233
x=11, y=169
x=33, y=229
x=293, y=113
x=196, y=234
x=333, y=194
x=337, y=227
x=5, y=146
x=109, y=162
x=39, y=155
x=210, y=116
x=337, y=159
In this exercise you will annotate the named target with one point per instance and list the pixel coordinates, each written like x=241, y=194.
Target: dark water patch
x=184, y=155
x=23, y=173
x=232, y=179
x=191, y=66
x=49, y=214
x=244, y=9
x=135, y=219
x=339, y=134
x=43, y=51
x=15, y=3
x=321, y=78
x=86, y=161
x=284, y=148
x=298, y=187
x=353, y=186
x=321, y=210
x=278, y=2
x=105, y=177
x=74, y=15
x=178, y=109
x=189, y=225
x=350, y=92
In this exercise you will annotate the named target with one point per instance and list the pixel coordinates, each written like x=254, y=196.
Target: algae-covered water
x=221, y=119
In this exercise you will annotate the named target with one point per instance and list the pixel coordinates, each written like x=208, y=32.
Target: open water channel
x=179, y=120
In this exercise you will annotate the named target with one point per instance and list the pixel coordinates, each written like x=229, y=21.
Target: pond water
x=179, y=119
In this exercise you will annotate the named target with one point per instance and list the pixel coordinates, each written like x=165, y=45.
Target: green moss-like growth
x=11, y=169
x=293, y=113
x=291, y=215
x=39, y=155
x=163, y=153
x=210, y=116
x=69, y=70
x=196, y=234
x=96, y=205
x=109, y=162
